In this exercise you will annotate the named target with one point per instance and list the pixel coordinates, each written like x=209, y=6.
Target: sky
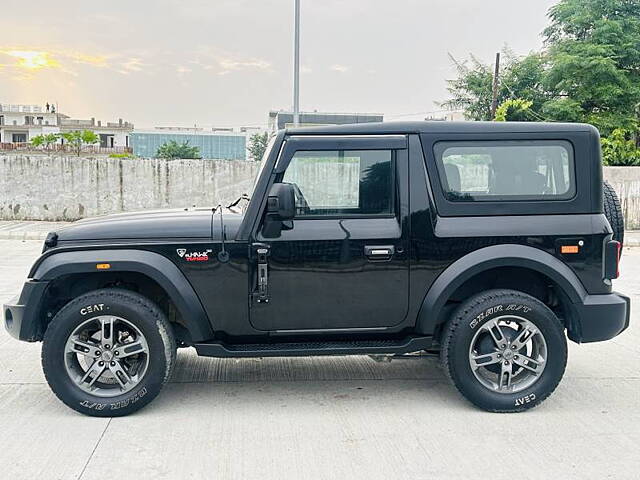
x=228, y=62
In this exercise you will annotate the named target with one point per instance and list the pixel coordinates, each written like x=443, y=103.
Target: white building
x=112, y=134
x=279, y=119
x=20, y=123
x=447, y=116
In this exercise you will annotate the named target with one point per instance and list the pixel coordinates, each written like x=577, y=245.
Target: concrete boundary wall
x=626, y=183
x=54, y=188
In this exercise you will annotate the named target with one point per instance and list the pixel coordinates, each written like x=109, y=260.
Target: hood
x=153, y=224
x=230, y=221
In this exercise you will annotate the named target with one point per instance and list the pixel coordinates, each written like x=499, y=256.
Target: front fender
x=432, y=310
x=151, y=264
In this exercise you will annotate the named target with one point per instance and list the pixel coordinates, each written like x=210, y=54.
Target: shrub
x=173, y=149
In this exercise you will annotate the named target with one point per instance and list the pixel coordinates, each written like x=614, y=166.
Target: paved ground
x=323, y=418
x=27, y=230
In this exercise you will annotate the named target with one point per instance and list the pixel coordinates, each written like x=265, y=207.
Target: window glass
x=263, y=161
x=342, y=182
x=514, y=170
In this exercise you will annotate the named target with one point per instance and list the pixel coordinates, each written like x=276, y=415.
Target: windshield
x=263, y=162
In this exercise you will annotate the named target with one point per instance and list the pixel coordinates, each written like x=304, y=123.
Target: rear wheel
x=505, y=351
x=108, y=352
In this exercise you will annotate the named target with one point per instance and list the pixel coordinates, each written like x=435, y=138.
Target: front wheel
x=108, y=353
x=505, y=351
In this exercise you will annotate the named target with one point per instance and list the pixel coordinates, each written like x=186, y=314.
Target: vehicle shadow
x=270, y=382
x=190, y=368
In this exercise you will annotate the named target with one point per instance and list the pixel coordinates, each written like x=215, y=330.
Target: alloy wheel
x=106, y=356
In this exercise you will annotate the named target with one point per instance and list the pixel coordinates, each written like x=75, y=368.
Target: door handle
x=379, y=252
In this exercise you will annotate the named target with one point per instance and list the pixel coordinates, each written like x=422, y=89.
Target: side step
x=351, y=347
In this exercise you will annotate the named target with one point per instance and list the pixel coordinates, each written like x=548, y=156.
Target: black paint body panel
x=322, y=285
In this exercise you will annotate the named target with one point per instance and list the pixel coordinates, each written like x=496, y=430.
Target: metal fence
x=62, y=148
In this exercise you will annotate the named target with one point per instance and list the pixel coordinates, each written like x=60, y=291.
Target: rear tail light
x=612, y=259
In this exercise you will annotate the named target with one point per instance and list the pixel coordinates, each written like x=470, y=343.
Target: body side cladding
x=510, y=255
x=151, y=264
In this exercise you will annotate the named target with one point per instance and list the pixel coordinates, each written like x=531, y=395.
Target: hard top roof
x=382, y=128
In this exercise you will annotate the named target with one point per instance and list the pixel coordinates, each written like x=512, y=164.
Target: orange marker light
x=569, y=249
x=103, y=266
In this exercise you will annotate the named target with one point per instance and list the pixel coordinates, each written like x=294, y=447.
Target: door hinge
x=262, y=253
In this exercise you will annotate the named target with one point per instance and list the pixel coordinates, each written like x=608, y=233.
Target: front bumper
x=21, y=314
x=601, y=317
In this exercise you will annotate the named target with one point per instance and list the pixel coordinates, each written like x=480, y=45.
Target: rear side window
x=506, y=170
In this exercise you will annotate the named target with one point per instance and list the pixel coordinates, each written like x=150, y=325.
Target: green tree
x=589, y=71
x=514, y=110
x=37, y=141
x=618, y=149
x=472, y=90
x=50, y=139
x=77, y=139
x=594, y=53
x=173, y=149
x=258, y=145
x=44, y=140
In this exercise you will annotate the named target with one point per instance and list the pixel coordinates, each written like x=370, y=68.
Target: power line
x=513, y=96
x=266, y=124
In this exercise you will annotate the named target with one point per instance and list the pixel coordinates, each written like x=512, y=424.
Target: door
x=342, y=263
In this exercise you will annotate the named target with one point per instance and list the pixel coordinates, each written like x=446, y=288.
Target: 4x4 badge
x=181, y=251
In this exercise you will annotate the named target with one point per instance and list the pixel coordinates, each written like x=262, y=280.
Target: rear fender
x=432, y=312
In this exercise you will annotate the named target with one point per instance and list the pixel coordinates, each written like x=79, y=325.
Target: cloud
x=30, y=59
x=100, y=61
x=229, y=65
x=339, y=68
x=224, y=62
x=132, y=65
x=26, y=62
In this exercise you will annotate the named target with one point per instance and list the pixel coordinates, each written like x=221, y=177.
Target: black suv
x=482, y=243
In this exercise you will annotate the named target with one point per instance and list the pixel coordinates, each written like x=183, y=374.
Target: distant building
x=447, y=116
x=213, y=144
x=20, y=123
x=112, y=134
x=279, y=119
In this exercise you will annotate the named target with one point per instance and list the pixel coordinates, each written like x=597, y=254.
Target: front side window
x=342, y=182
x=506, y=171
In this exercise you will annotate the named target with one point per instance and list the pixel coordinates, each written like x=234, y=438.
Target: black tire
x=146, y=317
x=477, y=311
x=613, y=211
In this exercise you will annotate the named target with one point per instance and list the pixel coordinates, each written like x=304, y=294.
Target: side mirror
x=281, y=202
x=281, y=208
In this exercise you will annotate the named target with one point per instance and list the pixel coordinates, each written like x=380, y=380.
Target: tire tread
x=613, y=211
x=452, y=330
x=161, y=322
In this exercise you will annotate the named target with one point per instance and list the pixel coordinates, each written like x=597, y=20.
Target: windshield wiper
x=244, y=196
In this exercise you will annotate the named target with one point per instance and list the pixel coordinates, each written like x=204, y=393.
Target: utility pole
x=296, y=66
x=494, y=101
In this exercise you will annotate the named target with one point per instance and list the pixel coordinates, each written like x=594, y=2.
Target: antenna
x=223, y=255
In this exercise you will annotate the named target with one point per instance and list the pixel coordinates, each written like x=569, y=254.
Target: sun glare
x=33, y=60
